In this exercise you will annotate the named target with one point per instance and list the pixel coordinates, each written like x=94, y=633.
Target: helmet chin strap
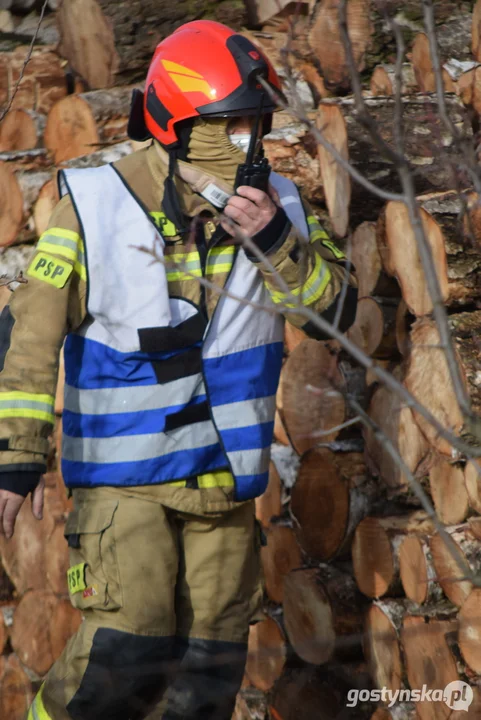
x=170, y=203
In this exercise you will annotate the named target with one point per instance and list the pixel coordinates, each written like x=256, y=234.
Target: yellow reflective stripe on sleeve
x=333, y=248
x=27, y=405
x=177, y=483
x=37, y=709
x=317, y=232
x=312, y=289
x=66, y=243
x=218, y=479
x=219, y=260
x=189, y=265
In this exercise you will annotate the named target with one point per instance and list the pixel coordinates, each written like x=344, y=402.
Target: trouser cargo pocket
x=93, y=576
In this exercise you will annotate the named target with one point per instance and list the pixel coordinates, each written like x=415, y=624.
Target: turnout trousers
x=166, y=598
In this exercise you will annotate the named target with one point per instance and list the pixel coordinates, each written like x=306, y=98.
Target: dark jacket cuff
x=272, y=237
x=348, y=315
x=19, y=482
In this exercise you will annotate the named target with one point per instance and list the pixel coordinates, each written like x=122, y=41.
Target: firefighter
x=171, y=371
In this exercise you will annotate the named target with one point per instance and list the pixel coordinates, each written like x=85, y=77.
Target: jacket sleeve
x=32, y=330
x=315, y=272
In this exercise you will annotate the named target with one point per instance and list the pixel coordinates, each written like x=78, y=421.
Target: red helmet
x=203, y=69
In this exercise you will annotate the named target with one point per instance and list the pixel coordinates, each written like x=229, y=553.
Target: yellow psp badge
x=50, y=269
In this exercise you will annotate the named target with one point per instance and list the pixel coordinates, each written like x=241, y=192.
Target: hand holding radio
x=251, y=209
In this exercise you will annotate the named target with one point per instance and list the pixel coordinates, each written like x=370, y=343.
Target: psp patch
x=76, y=578
x=50, y=269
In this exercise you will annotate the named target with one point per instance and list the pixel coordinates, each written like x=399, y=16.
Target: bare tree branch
x=27, y=60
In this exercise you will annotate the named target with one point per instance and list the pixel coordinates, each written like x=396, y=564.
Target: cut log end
x=71, y=130
x=11, y=206
x=320, y=504
x=312, y=400
x=18, y=131
x=372, y=558
x=308, y=617
x=266, y=654
x=469, y=636
x=413, y=569
x=382, y=648
x=281, y=555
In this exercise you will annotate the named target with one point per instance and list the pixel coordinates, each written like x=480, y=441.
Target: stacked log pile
x=363, y=573
x=361, y=590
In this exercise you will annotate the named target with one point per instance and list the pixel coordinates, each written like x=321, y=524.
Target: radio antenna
x=255, y=132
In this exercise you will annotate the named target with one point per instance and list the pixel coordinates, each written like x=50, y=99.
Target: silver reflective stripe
x=60, y=241
x=135, y=448
x=245, y=414
x=26, y=405
x=250, y=462
x=131, y=399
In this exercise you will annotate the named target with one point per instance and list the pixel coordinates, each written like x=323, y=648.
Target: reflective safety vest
x=155, y=393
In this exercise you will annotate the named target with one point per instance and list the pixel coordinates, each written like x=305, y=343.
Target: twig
x=418, y=491
x=301, y=115
x=425, y=253
x=5, y=280
x=27, y=60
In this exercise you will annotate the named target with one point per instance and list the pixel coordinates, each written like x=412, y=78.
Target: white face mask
x=241, y=140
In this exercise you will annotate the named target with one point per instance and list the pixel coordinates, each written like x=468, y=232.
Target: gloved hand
x=260, y=216
x=14, y=488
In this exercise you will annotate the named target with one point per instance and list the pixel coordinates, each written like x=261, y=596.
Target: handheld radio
x=255, y=171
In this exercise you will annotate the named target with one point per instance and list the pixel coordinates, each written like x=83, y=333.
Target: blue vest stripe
x=175, y=466
x=244, y=375
x=249, y=486
x=129, y=423
x=90, y=364
x=248, y=438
